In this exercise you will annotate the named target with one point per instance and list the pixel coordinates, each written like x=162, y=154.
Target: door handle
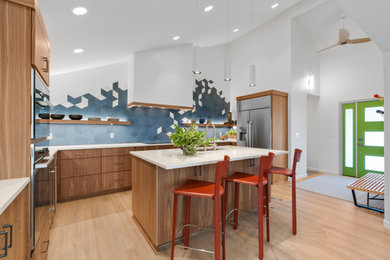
x=360, y=139
x=47, y=246
x=10, y=233
x=5, y=248
x=360, y=144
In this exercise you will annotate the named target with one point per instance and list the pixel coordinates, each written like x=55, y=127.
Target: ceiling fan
x=344, y=39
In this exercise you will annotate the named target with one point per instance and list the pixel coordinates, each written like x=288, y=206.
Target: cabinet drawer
x=117, y=151
x=160, y=147
x=80, y=167
x=116, y=163
x=116, y=180
x=80, y=186
x=78, y=154
x=140, y=148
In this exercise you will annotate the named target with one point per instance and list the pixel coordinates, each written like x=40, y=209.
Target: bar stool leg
x=294, y=206
x=188, y=216
x=173, y=226
x=223, y=213
x=267, y=210
x=236, y=201
x=217, y=234
x=260, y=209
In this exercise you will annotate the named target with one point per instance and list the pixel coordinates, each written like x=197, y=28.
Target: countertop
x=9, y=190
x=54, y=149
x=174, y=158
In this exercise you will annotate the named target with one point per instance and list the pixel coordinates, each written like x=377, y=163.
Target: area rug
x=335, y=186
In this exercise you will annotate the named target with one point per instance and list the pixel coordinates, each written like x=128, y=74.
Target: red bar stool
x=261, y=182
x=208, y=190
x=291, y=173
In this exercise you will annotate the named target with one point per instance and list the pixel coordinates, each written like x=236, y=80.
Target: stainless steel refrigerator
x=254, y=122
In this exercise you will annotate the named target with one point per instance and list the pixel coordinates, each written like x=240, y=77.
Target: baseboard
x=323, y=170
x=300, y=176
x=386, y=223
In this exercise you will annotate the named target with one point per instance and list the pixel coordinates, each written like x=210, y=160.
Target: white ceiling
x=112, y=30
x=323, y=23
x=373, y=17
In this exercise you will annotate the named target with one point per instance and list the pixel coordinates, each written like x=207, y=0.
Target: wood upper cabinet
x=40, y=47
x=14, y=224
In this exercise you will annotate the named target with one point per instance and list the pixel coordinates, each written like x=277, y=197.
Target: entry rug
x=336, y=186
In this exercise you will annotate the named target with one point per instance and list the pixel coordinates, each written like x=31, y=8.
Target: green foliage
x=231, y=132
x=189, y=137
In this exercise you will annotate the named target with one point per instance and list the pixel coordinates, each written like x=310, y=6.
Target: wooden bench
x=371, y=183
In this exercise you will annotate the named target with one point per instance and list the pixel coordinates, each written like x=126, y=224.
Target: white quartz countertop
x=9, y=190
x=174, y=158
x=54, y=149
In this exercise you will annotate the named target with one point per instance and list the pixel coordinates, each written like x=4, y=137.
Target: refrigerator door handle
x=250, y=137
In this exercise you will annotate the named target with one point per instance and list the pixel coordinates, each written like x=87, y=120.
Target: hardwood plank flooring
x=328, y=228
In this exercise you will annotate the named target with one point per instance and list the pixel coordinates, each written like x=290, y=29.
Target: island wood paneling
x=144, y=197
x=15, y=87
x=153, y=197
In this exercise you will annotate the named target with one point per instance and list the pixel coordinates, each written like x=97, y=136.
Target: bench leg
x=354, y=197
x=368, y=199
x=365, y=206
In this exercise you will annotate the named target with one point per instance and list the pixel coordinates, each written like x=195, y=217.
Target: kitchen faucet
x=214, y=136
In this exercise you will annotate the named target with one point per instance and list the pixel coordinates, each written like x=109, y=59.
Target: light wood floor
x=328, y=228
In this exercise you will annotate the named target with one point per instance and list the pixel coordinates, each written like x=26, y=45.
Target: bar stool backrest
x=222, y=169
x=297, y=158
x=265, y=166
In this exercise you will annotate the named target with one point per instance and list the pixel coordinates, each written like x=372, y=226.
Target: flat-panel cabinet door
x=41, y=48
x=116, y=163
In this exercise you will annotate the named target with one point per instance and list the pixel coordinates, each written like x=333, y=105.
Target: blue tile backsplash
x=148, y=125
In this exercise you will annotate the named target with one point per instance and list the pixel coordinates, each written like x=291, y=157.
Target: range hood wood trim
x=262, y=94
x=161, y=106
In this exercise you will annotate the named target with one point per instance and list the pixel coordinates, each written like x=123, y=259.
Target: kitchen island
x=157, y=173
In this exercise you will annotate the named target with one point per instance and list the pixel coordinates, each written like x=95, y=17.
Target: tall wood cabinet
x=23, y=45
x=279, y=125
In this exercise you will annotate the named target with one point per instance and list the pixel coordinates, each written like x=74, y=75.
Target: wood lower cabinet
x=76, y=187
x=116, y=180
x=14, y=225
x=116, y=163
x=80, y=167
x=42, y=246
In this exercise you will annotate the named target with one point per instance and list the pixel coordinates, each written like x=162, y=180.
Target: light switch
x=112, y=135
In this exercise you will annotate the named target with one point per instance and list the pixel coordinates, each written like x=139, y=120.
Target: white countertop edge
x=54, y=149
x=13, y=187
x=139, y=154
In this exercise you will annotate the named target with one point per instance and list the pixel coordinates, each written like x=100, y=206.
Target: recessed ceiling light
x=236, y=30
x=209, y=8
x=80, y=10
x=275, y=5
x=78, y=50
x=175, y=38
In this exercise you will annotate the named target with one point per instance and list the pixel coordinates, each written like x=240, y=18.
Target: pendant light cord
x=197, y=21
x=227, y=27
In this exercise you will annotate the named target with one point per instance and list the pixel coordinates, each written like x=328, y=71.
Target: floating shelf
x=160, y=106
x=216, y=125
x=81, y=122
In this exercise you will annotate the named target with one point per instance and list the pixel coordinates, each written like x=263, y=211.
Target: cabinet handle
x=47, y=246
x=46, y=61
x=120, y=163
x=82, y=167
x=5, y=248
x=10, y=233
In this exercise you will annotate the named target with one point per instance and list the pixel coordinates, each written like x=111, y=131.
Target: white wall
x=91, y=80
x=164, y=76
x=387, y=138
x=348, y=73
x=304, y=63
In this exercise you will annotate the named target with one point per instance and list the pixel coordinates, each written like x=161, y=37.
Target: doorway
x=363, y=138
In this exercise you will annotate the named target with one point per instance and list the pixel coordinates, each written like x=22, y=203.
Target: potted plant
x=189, y=139
x=232, y=133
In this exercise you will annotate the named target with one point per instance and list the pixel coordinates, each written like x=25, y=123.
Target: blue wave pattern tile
x=149, y=125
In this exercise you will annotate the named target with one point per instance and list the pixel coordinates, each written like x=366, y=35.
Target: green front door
x=370, y=138
x=363, y=138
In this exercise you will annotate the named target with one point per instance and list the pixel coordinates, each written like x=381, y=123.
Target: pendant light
x=252, y=68
x=228, y=64
x=196, y=48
